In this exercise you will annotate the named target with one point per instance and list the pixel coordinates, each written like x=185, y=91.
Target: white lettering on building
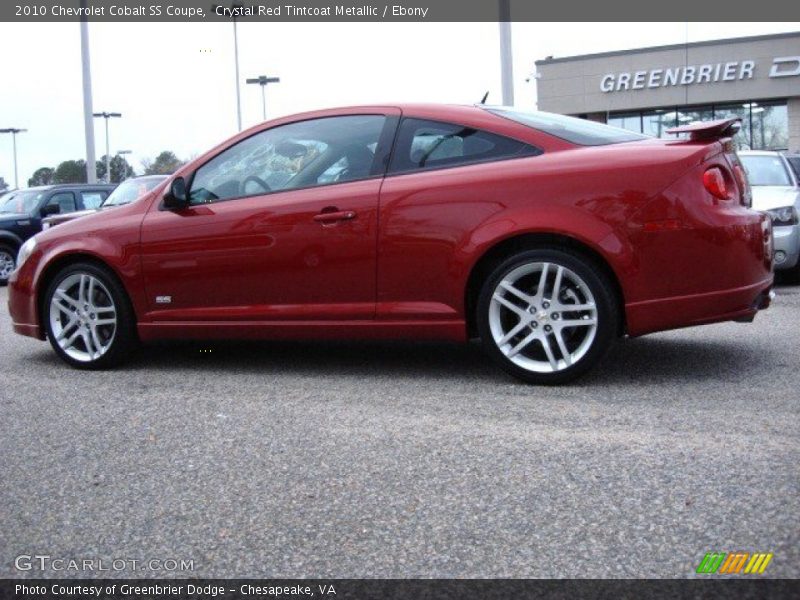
x=784, y=66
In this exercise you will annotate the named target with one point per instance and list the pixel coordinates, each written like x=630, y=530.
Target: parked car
x=22, y=211
x=777, y=192
x=546, y=236
x=125, y=193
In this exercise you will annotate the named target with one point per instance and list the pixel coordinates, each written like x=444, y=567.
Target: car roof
x=62, y=186
x=759, y=153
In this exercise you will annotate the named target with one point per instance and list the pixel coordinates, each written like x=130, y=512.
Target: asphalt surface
x=406, y=460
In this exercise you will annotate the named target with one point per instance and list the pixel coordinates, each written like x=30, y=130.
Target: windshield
x=20, y=202
x=571, y=129
x=765, y=170
x=130, y=190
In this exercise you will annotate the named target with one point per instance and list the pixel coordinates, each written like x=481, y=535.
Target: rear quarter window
x=576, y=131
x=423, y=144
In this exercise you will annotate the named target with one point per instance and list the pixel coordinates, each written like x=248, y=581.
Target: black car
x=22, y=211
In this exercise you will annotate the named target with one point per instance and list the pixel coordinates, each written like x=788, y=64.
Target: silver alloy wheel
x=7, y=264
x=83, y=317
x=543, y=317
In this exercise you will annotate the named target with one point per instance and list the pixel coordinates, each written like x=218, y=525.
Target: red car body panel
x=263, y=267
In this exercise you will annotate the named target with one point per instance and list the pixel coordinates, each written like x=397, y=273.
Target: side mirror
x=50, y=209
x=176, y=198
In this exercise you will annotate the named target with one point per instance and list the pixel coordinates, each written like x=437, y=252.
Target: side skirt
x=450, y=330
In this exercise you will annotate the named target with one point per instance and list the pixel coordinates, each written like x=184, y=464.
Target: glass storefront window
x=687, y=116
x=629, y=121
x=742, y=139
x=770, y=126
x=765, y=125
x=657, y=122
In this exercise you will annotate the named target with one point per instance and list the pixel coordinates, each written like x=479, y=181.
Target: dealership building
x=650, y=90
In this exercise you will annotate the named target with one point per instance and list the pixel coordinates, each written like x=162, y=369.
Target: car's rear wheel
x=547, y=316
x=8, y=263
x=88, y=317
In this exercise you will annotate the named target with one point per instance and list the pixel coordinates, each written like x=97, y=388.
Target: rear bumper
x=786, y=240
x=738, y=304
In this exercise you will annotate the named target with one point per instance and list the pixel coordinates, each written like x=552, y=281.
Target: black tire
x=124, y=340
x=606, y=315
x=6, y=252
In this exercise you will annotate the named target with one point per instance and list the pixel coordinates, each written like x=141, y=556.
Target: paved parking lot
x=407, y=460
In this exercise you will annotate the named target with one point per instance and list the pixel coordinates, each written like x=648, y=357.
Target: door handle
x=333, y=216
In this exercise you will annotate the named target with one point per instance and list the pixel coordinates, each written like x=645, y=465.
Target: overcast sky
x=175, y=85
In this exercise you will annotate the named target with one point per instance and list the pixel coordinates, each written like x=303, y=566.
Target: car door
x=63, y=199
x=280, y=226
x=441, y=185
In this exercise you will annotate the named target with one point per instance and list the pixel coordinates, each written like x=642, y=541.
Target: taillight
x=714, y=181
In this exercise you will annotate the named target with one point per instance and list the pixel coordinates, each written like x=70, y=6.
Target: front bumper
x=787, y=246
x=22, y=302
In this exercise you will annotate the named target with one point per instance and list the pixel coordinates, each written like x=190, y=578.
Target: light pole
x=14, y=131
x=263, y=80
x=88, y=122
x=122, y=153
x=107, y=116
x=234, y=11
x=506, y=64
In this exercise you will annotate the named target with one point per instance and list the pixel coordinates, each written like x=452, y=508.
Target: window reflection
x=629, y=121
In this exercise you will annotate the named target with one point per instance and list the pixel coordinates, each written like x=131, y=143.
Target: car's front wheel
x=547, y=316
x=8, y=262
x=88, y=318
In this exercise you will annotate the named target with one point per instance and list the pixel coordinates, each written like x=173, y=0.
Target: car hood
x=97, y=220
x=766, y=197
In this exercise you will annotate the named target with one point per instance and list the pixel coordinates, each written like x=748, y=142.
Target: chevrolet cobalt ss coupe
x=546, y=236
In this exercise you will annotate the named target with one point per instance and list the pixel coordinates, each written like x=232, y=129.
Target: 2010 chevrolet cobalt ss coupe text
x=546, y=236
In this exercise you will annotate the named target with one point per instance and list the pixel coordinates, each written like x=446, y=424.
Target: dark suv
x=22, y=211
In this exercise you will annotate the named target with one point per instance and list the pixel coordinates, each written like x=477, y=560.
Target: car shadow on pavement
x=657, y=359
x=649, y=360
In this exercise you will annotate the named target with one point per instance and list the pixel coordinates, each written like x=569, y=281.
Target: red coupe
x=546, y=236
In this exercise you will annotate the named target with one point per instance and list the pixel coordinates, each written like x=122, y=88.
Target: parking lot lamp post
x=123, y=153
x=14, y=131
x=107, y=116
x=88, y=121
x=235, y=8
x=263, y=80
x=506, y=63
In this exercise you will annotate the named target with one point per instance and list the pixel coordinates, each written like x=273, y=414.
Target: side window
x=92, y=199
x=431, y=145
x=297, y=155
x=64, y=200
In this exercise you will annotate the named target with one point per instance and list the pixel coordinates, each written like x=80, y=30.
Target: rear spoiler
x=710, y=130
